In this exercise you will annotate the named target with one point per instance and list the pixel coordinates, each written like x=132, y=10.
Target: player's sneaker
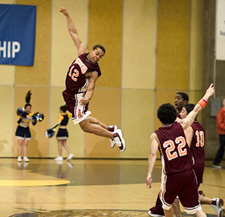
x=19, y=159
x=217, y=205
x=119, y=140
x=25, y=159
x=156, y=211
x=154, y=215
x=70, y=156
x=59, y=158
x=112, y=129
x=216, y=166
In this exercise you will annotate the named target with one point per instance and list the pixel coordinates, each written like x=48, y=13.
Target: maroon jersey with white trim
x=75, y=80
x=176, y=155
x=197, y=144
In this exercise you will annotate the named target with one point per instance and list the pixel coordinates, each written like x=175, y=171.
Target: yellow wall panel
x=7, y=1
x=76, y=135
x=105, y=27
x=39, y=74
x=7, y=74
x=195, y=96
x=6, y=111
x=105, y=106
x=38, y=145
x=63, y=48
x=137, y=122
x=139, y=44
x=197, y=26
x=173, y=41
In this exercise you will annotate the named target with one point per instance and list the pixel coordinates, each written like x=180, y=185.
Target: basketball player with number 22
x=178, y=177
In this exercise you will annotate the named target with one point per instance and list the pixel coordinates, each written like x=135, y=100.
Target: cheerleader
x=62, y=134
x=23, y=131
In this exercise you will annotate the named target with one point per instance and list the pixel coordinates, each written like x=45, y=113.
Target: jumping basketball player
x=80, y=84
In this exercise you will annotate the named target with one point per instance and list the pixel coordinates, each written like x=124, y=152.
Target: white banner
x=220, y=30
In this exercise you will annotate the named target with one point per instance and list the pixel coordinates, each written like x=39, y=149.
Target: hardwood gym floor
x=88, y=188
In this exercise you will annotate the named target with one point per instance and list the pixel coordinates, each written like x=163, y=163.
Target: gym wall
x=153, y=49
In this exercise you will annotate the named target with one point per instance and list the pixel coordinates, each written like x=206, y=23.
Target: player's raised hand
x=211, y=90
x=63, y=11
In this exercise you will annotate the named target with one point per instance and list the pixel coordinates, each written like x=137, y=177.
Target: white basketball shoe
x=119, y=140
x=217, y=205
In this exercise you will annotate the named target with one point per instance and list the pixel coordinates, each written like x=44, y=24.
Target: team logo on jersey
x=83, y=68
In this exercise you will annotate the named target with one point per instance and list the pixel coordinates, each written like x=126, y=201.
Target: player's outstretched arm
x=90, y=88
x=152, y=158
x=188, y=121
x=73, y=31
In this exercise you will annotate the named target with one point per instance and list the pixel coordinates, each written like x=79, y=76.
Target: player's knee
x=167, y=207
x=195, y=210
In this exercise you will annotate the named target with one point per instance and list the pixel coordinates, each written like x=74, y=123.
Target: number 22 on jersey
x=170, y=146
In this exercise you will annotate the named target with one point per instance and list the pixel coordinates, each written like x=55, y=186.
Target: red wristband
x=202, y=103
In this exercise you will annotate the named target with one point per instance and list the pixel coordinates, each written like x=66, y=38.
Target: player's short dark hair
x=63, y=108
x=184, y=96
x=166, y=113
x=189, y=107
x=99, y=46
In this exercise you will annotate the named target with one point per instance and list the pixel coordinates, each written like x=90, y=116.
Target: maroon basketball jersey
x=75, y=79
x=176, y=155
x=197, y=144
